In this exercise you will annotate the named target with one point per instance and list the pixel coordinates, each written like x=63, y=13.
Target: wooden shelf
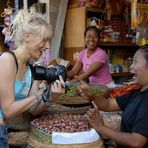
x=117, y=44
x=122, y=74
x=94, y=9
x=1, y=25
x=74, y=39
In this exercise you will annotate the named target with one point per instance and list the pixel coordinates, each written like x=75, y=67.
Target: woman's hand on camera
x=51, y=92
x=58, y=86
x=85, y=91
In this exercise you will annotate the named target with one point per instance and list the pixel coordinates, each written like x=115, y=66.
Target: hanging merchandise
x=116, y=7
x=126, y=13
x=134, y=14
x=91, y=3
x=108, y=9
x=101, y=23
x=8, y=15
x=143, y=12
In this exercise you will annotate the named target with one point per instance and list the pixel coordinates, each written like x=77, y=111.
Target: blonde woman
x=18, y=93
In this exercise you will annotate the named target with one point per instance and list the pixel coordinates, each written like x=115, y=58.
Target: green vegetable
x=72, y=93
x=42, y=137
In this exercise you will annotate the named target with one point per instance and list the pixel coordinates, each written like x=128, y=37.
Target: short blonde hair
x=29, y=22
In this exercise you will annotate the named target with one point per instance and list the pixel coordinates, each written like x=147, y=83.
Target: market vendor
x=134, y=129
x=92, y=62
x=18, y=92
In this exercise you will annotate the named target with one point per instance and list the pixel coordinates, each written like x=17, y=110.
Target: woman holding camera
x=18, y=91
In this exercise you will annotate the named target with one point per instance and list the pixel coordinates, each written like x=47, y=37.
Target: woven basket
x=21, y=122
x=112, y=119
x=69, y=101
x=42, y=136
x=71, y=110
x=34, y=143
x=80, y=100
x=39, y=138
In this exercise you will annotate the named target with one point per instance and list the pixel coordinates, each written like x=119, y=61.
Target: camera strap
x=46, y=96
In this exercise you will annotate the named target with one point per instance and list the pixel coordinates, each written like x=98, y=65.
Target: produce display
x=42, y=128
x=72, y=93
x=61, y=123
x=119, y=91
x=58, y=108
x=55, y=107
x=112, y=119
x=18, y=137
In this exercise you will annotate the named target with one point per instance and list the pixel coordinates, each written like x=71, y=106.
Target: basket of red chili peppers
x=119, y=91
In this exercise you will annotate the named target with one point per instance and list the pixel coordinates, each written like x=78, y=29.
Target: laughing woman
x=18, y=91
x=92, y=62
x=134, y=128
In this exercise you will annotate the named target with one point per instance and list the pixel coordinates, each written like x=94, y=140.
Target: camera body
x=50, y=74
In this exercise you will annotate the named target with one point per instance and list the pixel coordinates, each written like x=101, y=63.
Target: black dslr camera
x=50, y=74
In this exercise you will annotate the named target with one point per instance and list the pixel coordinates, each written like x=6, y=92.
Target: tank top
x=12, y=53
x=22, y=88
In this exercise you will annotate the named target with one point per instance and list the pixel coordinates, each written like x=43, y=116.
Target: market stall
x=64, y=124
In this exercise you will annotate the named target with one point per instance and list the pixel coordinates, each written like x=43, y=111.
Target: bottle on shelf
x=142, y=34
x=129, y=62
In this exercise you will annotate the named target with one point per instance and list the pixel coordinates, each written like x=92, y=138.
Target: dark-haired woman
x=92, y=62
x=134, y=128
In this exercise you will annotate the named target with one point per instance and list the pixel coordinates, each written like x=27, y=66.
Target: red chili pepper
x=118, y=91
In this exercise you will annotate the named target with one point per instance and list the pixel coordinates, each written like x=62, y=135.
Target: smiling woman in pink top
x=92, y=62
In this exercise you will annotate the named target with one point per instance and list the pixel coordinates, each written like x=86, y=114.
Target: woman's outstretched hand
x=84, y=91
x=58, y=86
x=94, y=118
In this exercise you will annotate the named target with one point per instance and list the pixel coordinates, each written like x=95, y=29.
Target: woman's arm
x=56, y=89
x=102, y=101
x=39, y=107
x=9, y=106
x=95, y=66
x=126, y=139
x=106, y=104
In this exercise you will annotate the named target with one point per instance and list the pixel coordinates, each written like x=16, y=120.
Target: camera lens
x=39, y=72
